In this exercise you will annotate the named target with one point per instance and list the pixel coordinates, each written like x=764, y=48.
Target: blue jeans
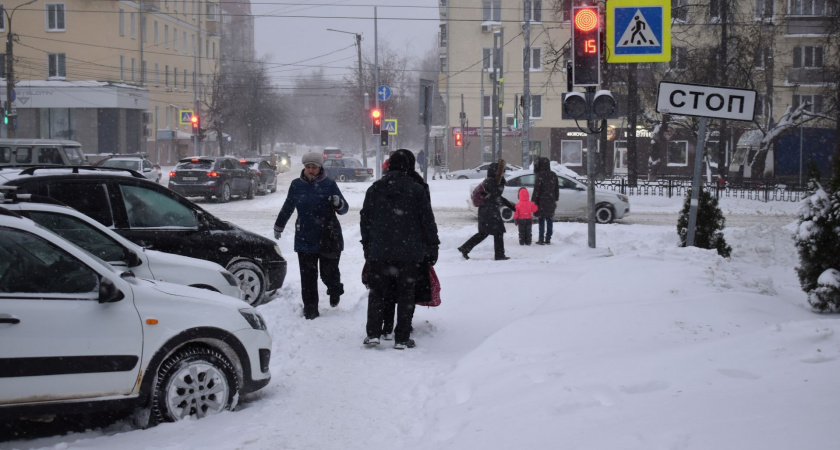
x=546, y=223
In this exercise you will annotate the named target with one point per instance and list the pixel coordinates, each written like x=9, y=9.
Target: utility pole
x=526, y=90
x=361, y=93
x=376, y=88
x=499, y=92
x=10, y=74
x=463, y=125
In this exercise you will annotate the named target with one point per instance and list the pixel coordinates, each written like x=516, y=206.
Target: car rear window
x=121, y=163
x=200, y=164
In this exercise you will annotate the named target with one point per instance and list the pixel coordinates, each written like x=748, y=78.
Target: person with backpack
x=490, y=220
x=522, y=217
x=546, y=194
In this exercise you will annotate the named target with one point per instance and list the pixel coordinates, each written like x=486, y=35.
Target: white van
x=41, y=152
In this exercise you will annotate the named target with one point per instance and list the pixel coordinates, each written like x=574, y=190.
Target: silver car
x=138, y=164
x=572, y=204
x=477, y=172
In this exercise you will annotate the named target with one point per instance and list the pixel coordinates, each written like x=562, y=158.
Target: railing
x=765, y=191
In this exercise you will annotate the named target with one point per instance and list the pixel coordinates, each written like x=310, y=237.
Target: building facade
x=776, y=47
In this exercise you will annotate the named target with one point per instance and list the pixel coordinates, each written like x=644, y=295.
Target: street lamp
x=361, y=89
x=10, y=71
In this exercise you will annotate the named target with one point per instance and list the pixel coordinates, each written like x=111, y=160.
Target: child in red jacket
x=522, y=217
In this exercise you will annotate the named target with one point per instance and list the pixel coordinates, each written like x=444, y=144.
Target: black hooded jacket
x=546, y=192
x=397, y=222
x=489, y=214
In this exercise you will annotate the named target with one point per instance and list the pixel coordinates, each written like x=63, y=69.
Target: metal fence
x=762, y=191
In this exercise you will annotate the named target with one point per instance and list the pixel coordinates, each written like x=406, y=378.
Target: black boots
x=464, y=252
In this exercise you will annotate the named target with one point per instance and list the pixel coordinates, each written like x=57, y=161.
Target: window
x=184, y=6
x=157, y=76
x=133, y=25
x=166, y=36
x=147, y=208
x=571, y=153
x=714, y=10
x=487, y=59
x=214, y=50
x=132, y=69
x=761, y=55
x=815, y=102
x=166, y=79
x=122, y=67
x=679, y=58
x=157, y=38
x=143, y=74
x=192, y=46
x=56, y=65
x=759, y=105
x=55, y=16
x=207, y=48
x=535, y=13
x=122, y=22
x=807, y=56
x=184, y=42
x=3, y=17
x=174, y=39
x=536, y=106
x=536, y=59
x=492, y=11
x=184, y=84
x=764, y=9
x=32, y=265
x=677, y=153
x=487, y=107
x=2, y=66
x=175, y=77
x=144, y=35
x=810, y=7
x=82, y=234
x=679, y=10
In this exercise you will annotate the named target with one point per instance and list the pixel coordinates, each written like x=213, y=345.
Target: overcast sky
x=293, y=34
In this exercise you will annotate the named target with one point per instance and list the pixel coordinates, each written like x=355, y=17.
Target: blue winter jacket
x=312, y=201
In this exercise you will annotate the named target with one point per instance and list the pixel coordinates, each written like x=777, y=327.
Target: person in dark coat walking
x=398, y=232
x=317, y=199
x=489, y=217
x=546, y=194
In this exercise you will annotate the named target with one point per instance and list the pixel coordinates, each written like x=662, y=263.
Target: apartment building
x=776, y=47
x=113, y=75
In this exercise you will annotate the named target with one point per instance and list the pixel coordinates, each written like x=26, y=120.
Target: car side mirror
x=203, y=224
x=133, y=259
x=108, y=292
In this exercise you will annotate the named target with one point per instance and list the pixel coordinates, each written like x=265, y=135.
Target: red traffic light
x=586, y=19
x=376, y=114
x=194, y=120
x=458, y=140
x=586, y=46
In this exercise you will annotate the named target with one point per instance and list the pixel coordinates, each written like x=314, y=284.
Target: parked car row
x=91, y=321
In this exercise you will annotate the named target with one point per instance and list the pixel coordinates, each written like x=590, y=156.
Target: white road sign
x=706, y=101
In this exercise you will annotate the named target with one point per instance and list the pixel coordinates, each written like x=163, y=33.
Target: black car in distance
x=221, y=177
x=265, y=174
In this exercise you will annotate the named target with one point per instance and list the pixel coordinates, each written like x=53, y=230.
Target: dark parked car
x=157, y=218
x=265, y=174
x=346, y=169
x=213, y=176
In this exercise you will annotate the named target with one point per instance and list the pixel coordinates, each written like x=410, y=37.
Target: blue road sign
x=384, y=93
x=638, y=31
x=186, y=115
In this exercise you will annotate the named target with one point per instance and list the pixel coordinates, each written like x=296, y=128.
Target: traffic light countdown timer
x=586, y=46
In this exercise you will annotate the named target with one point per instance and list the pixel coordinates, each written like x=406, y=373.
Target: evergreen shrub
x=710, y=223
x=817, y=240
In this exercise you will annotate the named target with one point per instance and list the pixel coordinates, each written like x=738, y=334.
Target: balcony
x=807, y=75
x=808, y=25
x=212, y=27
x=150, y=5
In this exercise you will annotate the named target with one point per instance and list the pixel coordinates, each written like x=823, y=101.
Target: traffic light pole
x=591, y=145
x=526, y=91
x=10, y=73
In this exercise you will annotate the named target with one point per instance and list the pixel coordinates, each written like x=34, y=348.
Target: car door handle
x=9, y=319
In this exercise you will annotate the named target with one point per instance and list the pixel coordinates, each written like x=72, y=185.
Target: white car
x=477, y=172
x=138, y=164
x=109, y=246
x=79, y=334
x=573, y=200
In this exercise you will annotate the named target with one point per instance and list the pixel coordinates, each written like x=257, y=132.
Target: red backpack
x=478, y=195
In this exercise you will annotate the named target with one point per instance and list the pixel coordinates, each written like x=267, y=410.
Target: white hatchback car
x=79, y=335
x=573, y=202
x=138, y=164
x=116, y=250
x=477, y=172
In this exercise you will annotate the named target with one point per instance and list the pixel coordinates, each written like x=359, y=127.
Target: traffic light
x=458, y=139
x=383, y=138
x=376, y=115
x=196, y=123
x=586, y=46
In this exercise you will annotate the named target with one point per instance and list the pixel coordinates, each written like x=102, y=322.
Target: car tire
x=252, y=190
x=193, y=383
x=462, y=177
x=251, y=281
x=207, y=198
x=341, y=177
x=604, y=213
x=507, y=214
x=225, y=195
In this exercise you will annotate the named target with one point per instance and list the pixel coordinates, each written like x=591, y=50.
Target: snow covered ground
x=636, y=344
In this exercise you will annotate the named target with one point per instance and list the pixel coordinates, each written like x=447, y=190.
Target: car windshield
x=352, y=163
x=121, y=163
x=75, y=156
x=200, y=164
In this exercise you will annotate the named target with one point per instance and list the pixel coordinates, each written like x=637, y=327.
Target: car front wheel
x=462, y=177
x=251, y=281
x=604, y=213
x=342, y=177
x=194, y=383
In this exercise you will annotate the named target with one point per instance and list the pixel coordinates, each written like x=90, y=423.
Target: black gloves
x=432, y=255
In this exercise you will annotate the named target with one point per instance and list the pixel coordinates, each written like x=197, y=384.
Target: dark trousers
x=391, y=280
x=546, y=228
x=422, y=293
x=498, y=243
x=330, y=275
x=525, y=234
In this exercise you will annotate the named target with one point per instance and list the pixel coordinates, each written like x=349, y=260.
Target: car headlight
x=253, y=318
x=230, y=278
x=623, y=198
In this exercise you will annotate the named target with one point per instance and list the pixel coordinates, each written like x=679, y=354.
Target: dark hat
x=409, y=155
x=399, y=161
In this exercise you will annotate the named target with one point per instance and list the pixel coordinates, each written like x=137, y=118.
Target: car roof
x=8, y=175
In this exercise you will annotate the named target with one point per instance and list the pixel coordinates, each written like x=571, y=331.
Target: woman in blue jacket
x=318, y=238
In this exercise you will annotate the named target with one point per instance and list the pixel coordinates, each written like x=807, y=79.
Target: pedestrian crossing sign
x=638, y=31
x=390, y=126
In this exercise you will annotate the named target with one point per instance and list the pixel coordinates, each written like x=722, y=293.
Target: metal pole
x=591, y=144
x=10, y=71
x=695, y=184
x=481, y=118
x=501, y=83
x=376, y=90
x=801, y=130
x=526, y=91
x=362, y=99
x=463, y=116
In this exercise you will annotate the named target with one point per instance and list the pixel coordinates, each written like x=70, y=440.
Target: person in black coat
x=398, y=232
x=489, y=216
x=546, y=194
